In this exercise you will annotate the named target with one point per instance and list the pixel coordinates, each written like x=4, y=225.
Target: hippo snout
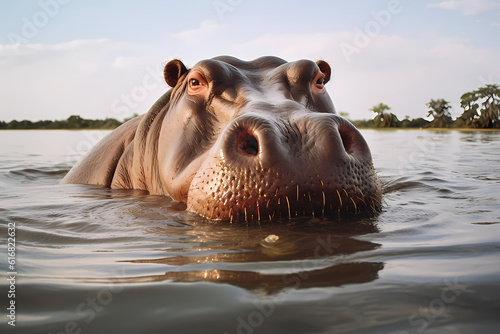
x=264, y=168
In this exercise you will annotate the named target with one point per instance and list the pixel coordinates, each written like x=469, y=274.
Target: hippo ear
x=173, y=71
x=325, y=69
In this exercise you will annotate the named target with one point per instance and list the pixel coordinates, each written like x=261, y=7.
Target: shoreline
x=432, y=129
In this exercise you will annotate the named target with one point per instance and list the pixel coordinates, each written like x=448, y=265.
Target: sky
x=100, y=59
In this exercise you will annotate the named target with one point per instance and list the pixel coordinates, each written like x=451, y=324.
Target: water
x=92, y=260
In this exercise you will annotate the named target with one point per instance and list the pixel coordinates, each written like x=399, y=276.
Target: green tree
x=468, y=103
x=439, y=110
x=384, y=118
x=13, y=124
x=491, y=105
x=74, y=122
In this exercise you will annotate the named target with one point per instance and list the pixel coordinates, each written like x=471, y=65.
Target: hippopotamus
x=241, y=141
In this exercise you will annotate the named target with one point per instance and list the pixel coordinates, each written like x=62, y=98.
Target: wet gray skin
x=242, y=141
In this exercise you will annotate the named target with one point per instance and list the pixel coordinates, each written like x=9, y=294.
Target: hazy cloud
x=206, y=31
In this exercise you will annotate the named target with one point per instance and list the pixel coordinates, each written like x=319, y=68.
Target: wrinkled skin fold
x=241, y=141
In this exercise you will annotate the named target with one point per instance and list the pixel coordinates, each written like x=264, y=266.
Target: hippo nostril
x=347, y=138
x=247, y=144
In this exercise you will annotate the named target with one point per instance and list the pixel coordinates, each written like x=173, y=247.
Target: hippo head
x=241, y=141
x=258, y=140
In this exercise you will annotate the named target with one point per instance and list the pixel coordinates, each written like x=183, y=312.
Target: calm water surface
x=93, y=260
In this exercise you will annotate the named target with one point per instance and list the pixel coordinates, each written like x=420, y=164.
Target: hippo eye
x=319, y=83
x=197, y=83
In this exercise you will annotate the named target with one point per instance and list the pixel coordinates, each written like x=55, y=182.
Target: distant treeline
x=481, y=111
x=406, y=123
x=73, y=122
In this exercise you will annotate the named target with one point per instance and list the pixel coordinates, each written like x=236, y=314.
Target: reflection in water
x=338, y=275
x=270, y=257
x=307, y=253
